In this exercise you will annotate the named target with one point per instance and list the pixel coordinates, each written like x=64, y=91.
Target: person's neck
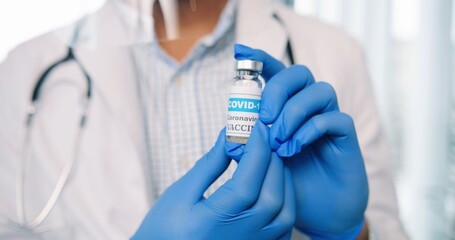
x=197, y=18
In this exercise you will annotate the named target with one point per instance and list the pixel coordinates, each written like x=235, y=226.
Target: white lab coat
x=106, y=197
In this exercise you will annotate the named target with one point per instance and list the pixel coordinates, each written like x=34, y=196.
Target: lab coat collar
x=115, y=25
x=258, y=28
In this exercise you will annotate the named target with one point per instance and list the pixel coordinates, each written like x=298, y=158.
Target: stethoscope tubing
x=62, y=180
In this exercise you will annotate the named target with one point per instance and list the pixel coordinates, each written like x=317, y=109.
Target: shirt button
x=179, y=81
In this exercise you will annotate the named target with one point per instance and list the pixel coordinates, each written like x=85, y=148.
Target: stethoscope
x=62, y=180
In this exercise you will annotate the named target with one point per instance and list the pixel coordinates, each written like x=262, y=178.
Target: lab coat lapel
x=115, y=88
x=104, y=49
x=259, y=29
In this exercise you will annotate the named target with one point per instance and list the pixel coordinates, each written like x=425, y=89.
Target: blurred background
x=409, y=46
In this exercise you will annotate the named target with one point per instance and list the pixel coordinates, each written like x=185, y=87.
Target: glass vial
x=244, y=101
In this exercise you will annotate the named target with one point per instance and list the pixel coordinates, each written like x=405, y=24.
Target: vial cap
x=250, y=65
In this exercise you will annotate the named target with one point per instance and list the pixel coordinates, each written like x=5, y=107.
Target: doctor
x=140, y=136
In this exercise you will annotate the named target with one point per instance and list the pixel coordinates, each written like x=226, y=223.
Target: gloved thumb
x=271, y=65
x=206, y=170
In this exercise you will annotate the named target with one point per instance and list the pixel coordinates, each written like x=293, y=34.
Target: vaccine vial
x=244, y=101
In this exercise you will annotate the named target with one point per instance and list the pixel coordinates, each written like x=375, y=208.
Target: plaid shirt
x=186, y=103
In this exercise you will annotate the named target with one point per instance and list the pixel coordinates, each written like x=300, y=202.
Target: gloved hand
x=320, y=147
x=257, y=203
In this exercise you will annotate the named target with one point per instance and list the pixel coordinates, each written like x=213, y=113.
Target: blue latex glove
x=320, y=146
x=257, y=203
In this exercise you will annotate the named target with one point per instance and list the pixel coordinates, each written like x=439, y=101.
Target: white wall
x=21, y=20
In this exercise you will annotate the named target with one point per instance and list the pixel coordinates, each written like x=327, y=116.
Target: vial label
x=243, y=110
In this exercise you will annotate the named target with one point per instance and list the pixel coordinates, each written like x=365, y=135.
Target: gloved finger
x=242, y=190
x=315, y=99
x=195, y=182
x=271, y=198
x=338, y=127
x=271, y=65
x=281, y=226
x=234, y=150
x=282, y=87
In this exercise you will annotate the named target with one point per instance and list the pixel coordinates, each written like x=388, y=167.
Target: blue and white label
x=243, y=111
x=244, y=105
